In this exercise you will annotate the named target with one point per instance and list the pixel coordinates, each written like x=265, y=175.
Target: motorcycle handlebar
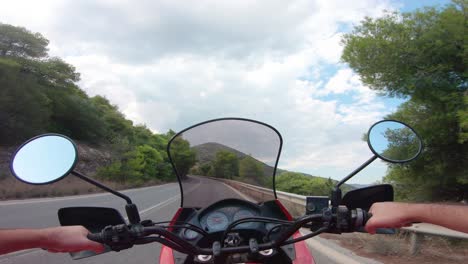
x=123, y=237
x=96, y=237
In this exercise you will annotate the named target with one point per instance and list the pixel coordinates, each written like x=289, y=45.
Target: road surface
x=158, y=203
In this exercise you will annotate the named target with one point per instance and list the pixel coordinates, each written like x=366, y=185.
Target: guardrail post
x=416, y=240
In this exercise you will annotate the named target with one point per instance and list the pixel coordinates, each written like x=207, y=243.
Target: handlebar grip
x=368, y=216
x=95, y=237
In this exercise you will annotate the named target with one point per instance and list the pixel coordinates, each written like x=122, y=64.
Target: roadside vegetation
x=422, y=57
x=40, y=94
x=419, y=56
x=395, y=249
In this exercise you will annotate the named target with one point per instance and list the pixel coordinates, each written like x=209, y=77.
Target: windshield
x=212, y=157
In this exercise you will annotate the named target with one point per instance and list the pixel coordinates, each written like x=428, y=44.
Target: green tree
x=250, y=168
x=421, y=56
x=403, y=144
x=75, y=116
x=118, y=129
x=142, y=164
x=298, y=183
x=24, y=106
x=20, y=42
x=205, y=169
x=225, y=165
x=40, y=94
x=183, y=156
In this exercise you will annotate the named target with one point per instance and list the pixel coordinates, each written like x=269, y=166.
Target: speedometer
x=216, y=221
x=243, y=214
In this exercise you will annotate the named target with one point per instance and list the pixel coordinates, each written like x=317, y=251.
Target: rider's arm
x=396, y=215
x=55, y=239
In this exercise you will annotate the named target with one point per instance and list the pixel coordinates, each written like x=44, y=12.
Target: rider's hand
x=69, y=239
x=389, y=215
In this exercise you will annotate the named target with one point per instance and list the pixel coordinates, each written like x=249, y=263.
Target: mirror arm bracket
x=369, y=161
x=103, y=187
x=132, y=213
x=336, y=192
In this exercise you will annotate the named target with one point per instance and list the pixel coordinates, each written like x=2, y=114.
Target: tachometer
x=189, y=234
x=216, y=221
x=243, y=214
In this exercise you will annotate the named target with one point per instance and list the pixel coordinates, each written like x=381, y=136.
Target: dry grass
x=10, y=188
x=395, y=248
x=387, y=244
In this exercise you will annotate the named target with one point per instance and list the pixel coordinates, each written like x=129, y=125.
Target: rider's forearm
x=19, y=239
x=451, y=216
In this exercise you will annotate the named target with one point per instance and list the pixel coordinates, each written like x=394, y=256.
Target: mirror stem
x=356, y=171
x=100, y=185
x=335, y=197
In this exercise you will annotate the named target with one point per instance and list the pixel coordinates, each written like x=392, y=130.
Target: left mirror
x=44, y=159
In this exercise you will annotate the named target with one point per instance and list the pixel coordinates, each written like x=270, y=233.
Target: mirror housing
x=394, y=141
x=388, y=140
x=44, y=159
x=364, y=197
x=48, y=158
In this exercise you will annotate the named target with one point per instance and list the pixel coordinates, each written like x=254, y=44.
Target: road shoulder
x=326, y=251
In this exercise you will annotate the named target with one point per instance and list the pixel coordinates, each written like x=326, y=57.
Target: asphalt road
x=158, y=203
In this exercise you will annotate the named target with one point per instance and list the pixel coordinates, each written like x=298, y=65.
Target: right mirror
x=394, y=141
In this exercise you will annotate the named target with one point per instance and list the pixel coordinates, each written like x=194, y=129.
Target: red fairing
x=167, y=255
x=303, y=255
x=284, y=210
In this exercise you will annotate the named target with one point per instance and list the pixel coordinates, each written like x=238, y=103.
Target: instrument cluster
x=220, y=218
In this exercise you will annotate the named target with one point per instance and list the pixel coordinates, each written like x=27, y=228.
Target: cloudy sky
x=170, y=64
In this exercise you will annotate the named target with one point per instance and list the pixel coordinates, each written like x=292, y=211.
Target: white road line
x=161, y=204
x=56, y=199
x=240, y=194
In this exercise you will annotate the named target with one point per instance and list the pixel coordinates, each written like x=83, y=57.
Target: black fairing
x=364, y=197
x=92, y=218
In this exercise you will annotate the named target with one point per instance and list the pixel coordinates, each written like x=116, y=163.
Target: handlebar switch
x=117, y=237
x=342, y=219
x=147, y=223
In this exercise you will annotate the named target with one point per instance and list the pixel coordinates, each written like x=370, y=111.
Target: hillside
x=41, y=94
x=206, y=153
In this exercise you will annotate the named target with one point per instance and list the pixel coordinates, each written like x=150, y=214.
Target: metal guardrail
x=296, y=203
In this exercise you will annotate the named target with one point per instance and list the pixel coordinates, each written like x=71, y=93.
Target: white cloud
x=169, y=64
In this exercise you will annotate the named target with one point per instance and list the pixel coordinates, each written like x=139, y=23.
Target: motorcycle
x=219, y=165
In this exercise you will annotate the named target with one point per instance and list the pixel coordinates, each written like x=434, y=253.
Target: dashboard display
x=243, y=214
x=190, y=234
x=216, y=221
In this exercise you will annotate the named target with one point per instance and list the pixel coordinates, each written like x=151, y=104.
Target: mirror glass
x=44, y=159
x=394, y=141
